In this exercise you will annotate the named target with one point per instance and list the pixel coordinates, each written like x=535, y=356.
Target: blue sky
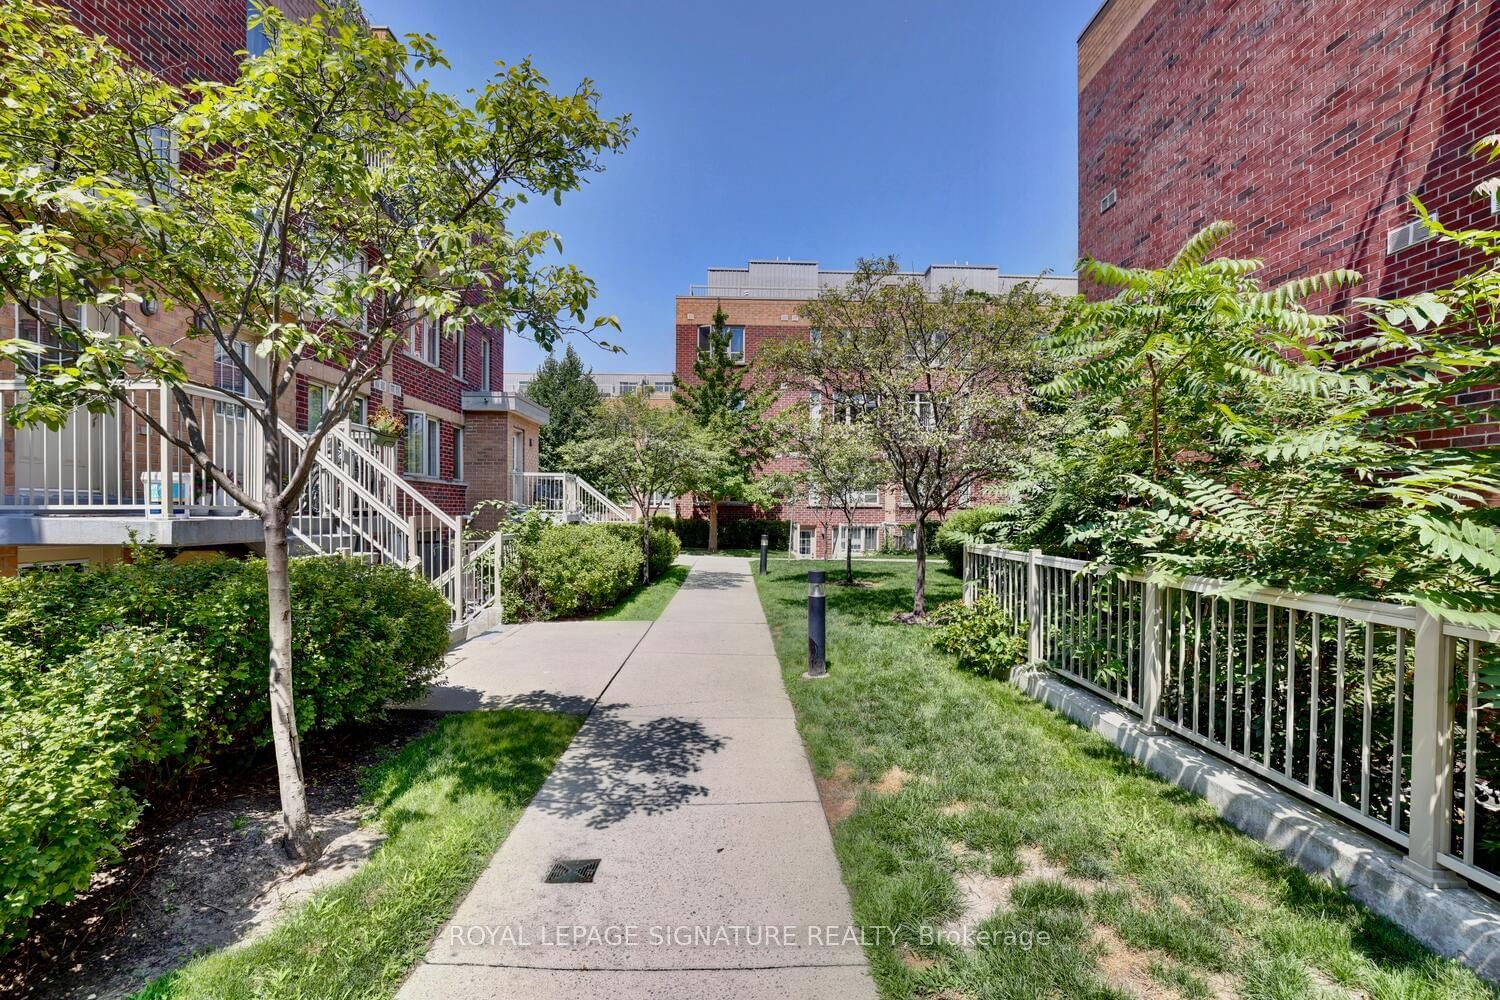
x=821, y=130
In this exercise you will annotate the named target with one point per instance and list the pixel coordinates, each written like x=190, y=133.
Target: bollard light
x=817, y=633
x=765, y=543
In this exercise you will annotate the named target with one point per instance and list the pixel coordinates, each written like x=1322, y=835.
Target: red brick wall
x=1307, y=123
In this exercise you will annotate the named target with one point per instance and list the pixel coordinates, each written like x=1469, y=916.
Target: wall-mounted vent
x=1409, y=235
x=1108, y=201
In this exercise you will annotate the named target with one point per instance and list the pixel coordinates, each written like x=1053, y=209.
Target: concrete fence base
x=1458, y=922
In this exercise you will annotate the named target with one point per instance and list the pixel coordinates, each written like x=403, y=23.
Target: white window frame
x=321, y=392
x=867, y=537
x=424, y=341
x=458, y=360
x=458, y=453
x=735, y=332
x=843, y=408
x=423, y=444
x=923, y=410
x=233, y=377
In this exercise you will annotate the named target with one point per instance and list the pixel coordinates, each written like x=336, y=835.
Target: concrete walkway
x=689, y=784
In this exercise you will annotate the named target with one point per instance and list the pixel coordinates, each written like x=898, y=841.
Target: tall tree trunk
x=301, y=841
x=713, y=525
x=646, y=547
x=919, y=592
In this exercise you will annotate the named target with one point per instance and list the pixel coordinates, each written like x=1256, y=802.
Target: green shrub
x=68, y=738
x=960, y=528
x=362, y=635
x=116, y=680
x=983, y=637
x=567, y=570
x=665, y=547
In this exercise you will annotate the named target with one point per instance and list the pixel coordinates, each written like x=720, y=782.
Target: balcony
x=101, y=476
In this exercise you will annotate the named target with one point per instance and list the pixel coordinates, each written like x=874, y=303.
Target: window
x=849, y=407
x=228, y=375
x=458, y=361
x=422, y=444
x=865, y=538
x=484, y=364
x=523, y=386
x=859, y=498
x=317, y=403
x=458, y=453
x=626, y=388
x=257, y=42
x=45, y=328
x=357, y=410
x=923, y=410
x=736, y=341
x=666, y=386
x=425, y=341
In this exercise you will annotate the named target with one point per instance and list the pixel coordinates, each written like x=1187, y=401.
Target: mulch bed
x=197, y=871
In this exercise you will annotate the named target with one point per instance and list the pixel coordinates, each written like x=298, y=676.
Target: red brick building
x=466, y=440
x=761, y=302
x=1306, y=123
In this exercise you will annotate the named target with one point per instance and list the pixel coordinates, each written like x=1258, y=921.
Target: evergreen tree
x=734, y=415
x=568, y=392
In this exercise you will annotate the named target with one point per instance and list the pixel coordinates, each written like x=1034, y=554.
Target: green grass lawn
x=445, y=802
x=645, y=604
x=1140, y=887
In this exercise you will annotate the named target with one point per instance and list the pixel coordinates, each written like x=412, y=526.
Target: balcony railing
x=117, y=462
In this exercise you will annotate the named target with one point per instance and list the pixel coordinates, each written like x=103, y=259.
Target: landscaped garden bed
x=1018, y=855
x=205, y=869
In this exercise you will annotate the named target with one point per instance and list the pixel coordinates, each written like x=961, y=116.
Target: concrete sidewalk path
x=689, y=784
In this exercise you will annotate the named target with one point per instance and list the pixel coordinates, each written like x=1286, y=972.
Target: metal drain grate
x=573, y=871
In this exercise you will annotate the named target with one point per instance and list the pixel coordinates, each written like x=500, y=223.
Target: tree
x=1226, y=430
x=648, y=452
x=569, y=393
x=834, y=463
x=316, y=209
x=734, y=414
x=942, y=381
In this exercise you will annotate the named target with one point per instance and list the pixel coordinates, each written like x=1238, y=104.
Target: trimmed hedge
x=739, y=533
x=574, y=570
x=960, y=528
x=567, y=570
x=116, y=681
x=665, y=548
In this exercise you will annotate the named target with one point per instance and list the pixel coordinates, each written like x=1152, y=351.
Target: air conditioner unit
x=1409, y=235
x=1108, y=201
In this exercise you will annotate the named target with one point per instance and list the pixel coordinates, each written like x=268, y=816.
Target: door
x=804, y=542
x=518, y=467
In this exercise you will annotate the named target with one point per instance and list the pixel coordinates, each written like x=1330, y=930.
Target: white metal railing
x=1376, y=712
x=115, y=461
x=564, y=496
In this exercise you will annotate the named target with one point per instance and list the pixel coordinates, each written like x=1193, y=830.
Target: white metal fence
x=1376, y=712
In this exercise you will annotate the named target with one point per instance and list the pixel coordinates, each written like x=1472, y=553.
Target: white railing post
x=1431, y=805
x=460, y=573
x=570, y=494
x=164, y=415
x=969, y=557
x=1033, y=607
x=1151, y=650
